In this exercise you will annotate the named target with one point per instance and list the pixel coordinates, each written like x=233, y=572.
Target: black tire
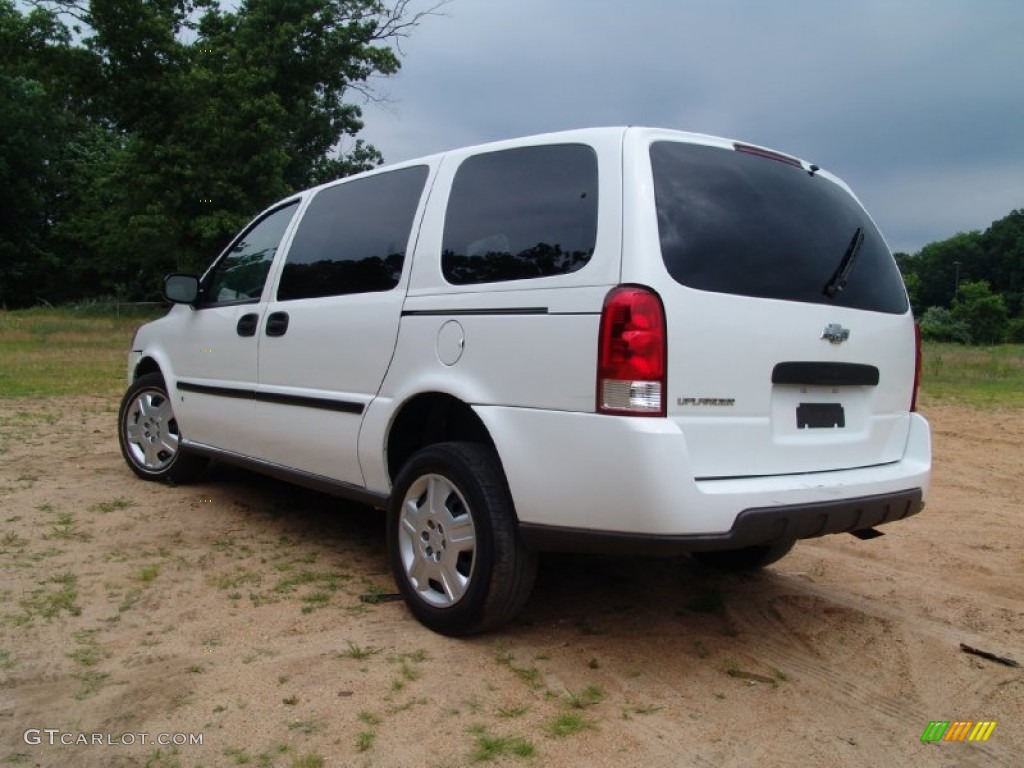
x=746, y=559
x=453, y=543
x=148, y=434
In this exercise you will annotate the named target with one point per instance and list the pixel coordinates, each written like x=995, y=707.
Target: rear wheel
x=746, y=559
x=148, y=433
x=453, y=542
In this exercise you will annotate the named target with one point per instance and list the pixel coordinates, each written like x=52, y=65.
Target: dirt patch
x=256, y=616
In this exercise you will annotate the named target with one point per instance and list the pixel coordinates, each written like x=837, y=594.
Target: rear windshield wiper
x=837, y=282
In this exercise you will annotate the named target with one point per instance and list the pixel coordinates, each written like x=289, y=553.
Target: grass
x=569, y=723
x=369, y=718
x=48, y=603
x=238, y=756
x=91, y=681
x=309, y=760
x=131, y=597
x=51, y=352
x=180, y=701
x=321, y=587
x=490, y=747
x=356, y=652
x=364, y=740
x=407, y=671
x=88, y=653
x=510, y=712
x=984, y=377
x=65, y=528
x=105, y=507
x=530, y=675
x=64, y=351
x=588, y=697
x=306, y=726
x=239, y=577
x=12, y=540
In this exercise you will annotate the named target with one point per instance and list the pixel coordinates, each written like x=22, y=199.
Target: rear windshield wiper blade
x=838, y=280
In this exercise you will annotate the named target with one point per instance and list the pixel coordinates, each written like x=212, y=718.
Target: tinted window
x=241, y=272
x=735, y=222
x=521, y=213
x=353, y=236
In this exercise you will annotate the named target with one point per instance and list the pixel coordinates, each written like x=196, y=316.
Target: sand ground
x=235, y=611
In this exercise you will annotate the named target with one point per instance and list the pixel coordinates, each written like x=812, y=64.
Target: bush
x=1015, y=330
x=938, y=324
x=982, y=311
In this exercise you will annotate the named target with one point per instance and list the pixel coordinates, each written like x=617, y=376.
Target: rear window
x=741, y=223
x=521, y=213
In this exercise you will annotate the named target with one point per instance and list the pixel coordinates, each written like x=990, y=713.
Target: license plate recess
x=820, y=416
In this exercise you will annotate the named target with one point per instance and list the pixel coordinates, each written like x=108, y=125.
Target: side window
x=240, y=273
x=353, y=236
x=521, y=213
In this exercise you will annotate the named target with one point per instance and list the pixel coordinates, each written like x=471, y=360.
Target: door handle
x=247, y=324
x=277, y=323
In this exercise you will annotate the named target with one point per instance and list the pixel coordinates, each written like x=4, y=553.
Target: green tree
x=142, y=134
x=995, y=255
x=983, y=312
x=1003, y=244
x=1015, y=331
x=24, y=129
x=940, y=264
x=912, y=281
x=220, y=128
x=41, y=128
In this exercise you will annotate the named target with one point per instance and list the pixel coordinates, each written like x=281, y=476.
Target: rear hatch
x=790, y=343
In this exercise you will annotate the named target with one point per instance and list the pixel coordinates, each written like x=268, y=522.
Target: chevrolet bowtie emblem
x=835, y=333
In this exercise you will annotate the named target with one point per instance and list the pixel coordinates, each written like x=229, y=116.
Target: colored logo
x=958, y=730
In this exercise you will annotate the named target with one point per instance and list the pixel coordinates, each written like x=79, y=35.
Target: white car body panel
x=336, y=350
x=643, y=486
x=204, y=348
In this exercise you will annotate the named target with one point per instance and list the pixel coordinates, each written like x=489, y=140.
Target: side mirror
x=180, y=288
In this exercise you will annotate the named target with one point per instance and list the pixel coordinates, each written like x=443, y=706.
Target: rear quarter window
x=740, y=223
x=521, y=213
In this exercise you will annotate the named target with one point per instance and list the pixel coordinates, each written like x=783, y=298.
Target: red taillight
x=631, y=353
x=917, y=366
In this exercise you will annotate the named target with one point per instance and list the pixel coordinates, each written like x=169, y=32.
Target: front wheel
x=453, y=542
x=148, y=433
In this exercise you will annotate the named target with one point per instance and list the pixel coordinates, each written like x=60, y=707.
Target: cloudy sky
x=917, y=104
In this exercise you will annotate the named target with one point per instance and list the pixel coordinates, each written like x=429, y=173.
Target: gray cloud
x=916, y=104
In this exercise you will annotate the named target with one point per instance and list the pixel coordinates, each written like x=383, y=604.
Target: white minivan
x=604, y=340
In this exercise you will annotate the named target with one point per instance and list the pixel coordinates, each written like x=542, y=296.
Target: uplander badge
x=719, y=401
x=835, y=333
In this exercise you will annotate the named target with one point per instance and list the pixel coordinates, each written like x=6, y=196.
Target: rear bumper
x=752, y=527
x=602, y=479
